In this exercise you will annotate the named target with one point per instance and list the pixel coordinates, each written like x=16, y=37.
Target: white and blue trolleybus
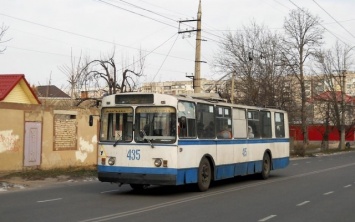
x=157, y=139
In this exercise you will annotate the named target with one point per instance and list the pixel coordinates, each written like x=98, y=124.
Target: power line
x=166, y=57
x=148, y=3
x=319, y=23
x=155, y=13
x=334, y=19
x=116, y=6
x=31, y=50
x=85, y=36
x=150, y=11
x=282, y=4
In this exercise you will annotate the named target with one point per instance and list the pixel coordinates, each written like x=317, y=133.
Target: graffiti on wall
x=9, y=141
x=85, y=148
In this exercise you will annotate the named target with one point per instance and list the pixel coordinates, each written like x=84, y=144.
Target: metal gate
x=33, y=141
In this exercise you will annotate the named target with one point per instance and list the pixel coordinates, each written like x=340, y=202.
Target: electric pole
x=342, y=129
x=197, y=77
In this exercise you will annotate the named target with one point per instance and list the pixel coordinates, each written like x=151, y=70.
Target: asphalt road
x=310, y=189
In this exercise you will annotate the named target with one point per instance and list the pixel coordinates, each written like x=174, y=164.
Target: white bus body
x=176, y=148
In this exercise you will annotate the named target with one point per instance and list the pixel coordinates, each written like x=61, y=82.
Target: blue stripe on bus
x=230, y=141
x=189, y=175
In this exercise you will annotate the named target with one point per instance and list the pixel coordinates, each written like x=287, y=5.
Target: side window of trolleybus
x=206, y=128
x=279, y=125
x=156, y=124
x=186, y=120
x=253, y=124
x=117, y=124
x=223, y=122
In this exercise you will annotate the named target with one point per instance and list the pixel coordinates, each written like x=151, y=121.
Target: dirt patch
x=40, y=178
x=18, y=183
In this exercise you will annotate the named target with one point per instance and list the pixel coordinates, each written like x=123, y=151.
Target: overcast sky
x=44, y=33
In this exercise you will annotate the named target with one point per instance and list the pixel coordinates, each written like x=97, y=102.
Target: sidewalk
x=318, y=151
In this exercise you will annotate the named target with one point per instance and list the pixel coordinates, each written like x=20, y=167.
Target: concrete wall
x=66, y=138
x=11, y=139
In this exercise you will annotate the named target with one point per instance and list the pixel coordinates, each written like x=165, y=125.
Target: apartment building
x=181, y=87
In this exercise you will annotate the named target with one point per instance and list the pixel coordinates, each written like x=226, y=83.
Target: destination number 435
x=134, y=154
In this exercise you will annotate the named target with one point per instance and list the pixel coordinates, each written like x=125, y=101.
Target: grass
x=38, y=174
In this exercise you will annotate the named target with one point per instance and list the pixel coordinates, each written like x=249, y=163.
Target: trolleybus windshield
x=158, y=124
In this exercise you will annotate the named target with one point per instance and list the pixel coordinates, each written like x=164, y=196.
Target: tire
x=138, y=187
x=204, y=175
x=266, y=167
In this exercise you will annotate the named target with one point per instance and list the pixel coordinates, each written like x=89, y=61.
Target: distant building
x=93, y=93
x=15, y=89
x=180, y=87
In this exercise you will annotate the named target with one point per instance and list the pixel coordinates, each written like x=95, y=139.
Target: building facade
x=180, y=87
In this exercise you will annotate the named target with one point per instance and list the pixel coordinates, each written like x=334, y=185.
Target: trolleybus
x=158, y=139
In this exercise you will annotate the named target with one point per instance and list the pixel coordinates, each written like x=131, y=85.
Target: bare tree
x=303, y=36
x=334, y=64
x=107, y=70
x=3, y=30
x=252, y=56
x=76, y=78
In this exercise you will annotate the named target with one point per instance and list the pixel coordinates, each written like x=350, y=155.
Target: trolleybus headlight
x=111, y=160
x=158, y=162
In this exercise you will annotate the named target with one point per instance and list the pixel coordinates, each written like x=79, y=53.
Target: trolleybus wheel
x=204, y=175
x=266, y=167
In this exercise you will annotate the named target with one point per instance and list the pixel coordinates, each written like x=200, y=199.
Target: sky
x=44, y=36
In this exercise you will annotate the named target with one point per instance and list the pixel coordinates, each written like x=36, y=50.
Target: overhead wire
x=150, y=11
x=124, y=9
x=81, y=35
x=157, y=6
x=105, y=2
x=166, y=57
x=333, y=18
x=319, y=23
x=147, y=10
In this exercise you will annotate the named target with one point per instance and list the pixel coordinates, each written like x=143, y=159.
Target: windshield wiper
x=115, y=144
x=144, y=137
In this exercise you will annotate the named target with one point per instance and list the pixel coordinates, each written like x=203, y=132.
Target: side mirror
x=91, y=120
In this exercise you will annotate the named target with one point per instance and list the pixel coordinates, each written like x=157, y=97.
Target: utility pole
x=342, y=129
x=197, y=77
x=232, y=90
x=342, y=80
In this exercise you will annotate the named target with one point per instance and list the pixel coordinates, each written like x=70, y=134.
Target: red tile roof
x=9, y=81
x=330, y=96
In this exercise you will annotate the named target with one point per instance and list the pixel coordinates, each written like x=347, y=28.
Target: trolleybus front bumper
x=136, y=178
